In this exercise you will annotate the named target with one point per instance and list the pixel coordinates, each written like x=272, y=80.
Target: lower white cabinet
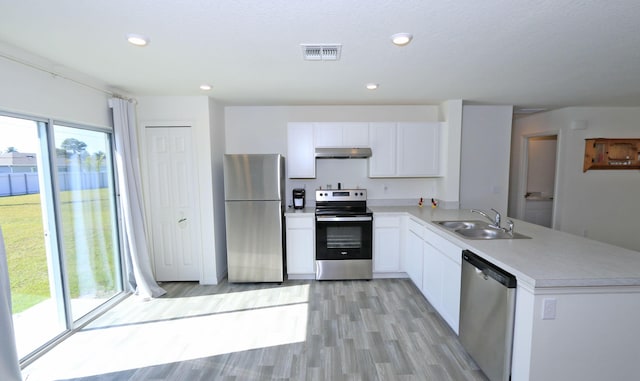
x=442, y=275
x=434, y=265
x=301, y=245
x=432, y=274
x=414, y=257
x=450, y=307
x=387, y=243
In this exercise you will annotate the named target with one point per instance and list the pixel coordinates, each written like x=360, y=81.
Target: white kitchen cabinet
x=431, y=275
x=301, y=160
x=451, y=277
x=418, y=149
x=300, y=232
x=442, y=276
x=386, y=243
x=382, y=162
x=355, y=135
x=404, y=149
x=347, y=135
x=414, y=255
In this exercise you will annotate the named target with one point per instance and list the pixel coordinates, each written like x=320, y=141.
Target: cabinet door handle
x=182, y=220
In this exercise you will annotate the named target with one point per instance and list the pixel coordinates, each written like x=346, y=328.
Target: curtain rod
x=58, y=75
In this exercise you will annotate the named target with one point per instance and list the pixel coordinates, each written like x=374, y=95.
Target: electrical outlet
x=549, y=306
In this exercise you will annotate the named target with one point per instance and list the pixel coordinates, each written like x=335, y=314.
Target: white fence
x=15, y=184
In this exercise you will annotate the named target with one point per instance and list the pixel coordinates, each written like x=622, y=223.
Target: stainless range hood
x=343, y=153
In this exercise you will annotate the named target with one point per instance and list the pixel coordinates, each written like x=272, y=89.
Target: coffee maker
x=298, y=198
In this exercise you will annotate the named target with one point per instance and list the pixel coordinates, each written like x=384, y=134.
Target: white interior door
x=172, y=193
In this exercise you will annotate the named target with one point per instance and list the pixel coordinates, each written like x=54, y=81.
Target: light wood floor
x=299, y=330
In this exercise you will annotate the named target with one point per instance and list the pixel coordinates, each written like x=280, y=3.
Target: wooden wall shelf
x=611, y=154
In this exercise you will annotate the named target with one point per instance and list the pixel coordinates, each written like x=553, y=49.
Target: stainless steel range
x=344, y=228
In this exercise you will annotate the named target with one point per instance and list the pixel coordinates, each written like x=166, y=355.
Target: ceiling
x=543, y=53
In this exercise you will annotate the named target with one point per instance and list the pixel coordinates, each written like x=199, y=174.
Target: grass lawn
x=88, y=243
x=21, y=222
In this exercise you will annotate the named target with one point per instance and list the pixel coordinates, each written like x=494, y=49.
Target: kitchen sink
x=473, y=229
x=455, y=225
x=488, y=233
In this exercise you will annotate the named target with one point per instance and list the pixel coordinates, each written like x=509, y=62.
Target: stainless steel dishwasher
x=487, y=309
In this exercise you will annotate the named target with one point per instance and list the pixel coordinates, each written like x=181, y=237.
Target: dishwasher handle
x=489, y=269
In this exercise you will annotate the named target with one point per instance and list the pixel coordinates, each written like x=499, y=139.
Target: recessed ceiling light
x=372, y=86
x=205, y=87
x=137, y=39
x=401, y=39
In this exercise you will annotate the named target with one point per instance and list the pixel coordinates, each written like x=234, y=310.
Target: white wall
x=449, y=186
x=192, y=111
x=484, y=170
x=263, y=130
x=32, y=92
x=599, y=204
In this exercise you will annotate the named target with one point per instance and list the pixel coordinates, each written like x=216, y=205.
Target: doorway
x=541, y=156
x=172, y=203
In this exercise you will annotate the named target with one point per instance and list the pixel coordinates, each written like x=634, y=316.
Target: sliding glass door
x=87, y=215
x=38, y=313
x=58, y=216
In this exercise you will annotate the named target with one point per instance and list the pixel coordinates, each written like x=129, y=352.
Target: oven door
x=343, y=237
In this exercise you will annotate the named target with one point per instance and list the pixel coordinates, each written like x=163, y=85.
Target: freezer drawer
x=254, y=241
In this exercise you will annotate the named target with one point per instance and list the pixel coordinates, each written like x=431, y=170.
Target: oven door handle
x=342, y=219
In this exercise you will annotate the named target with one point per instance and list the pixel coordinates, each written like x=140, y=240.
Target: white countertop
x=549, y=259
x=306, y=210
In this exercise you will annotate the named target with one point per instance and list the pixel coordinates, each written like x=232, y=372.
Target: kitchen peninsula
x=591, y=291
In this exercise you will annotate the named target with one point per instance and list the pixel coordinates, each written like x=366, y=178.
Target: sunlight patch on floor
x=166, y=340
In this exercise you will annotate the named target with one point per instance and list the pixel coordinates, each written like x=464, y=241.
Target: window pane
x=87, y=205
x=38, y=308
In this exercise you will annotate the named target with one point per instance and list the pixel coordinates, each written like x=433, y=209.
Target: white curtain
x=137, y=260
x=9, y=365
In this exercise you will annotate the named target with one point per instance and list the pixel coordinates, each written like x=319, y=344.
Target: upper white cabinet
x=382, y=138
x=404, y=149
x=303, y=138
x=418, y=149
x=347, y=135
x=301, y=160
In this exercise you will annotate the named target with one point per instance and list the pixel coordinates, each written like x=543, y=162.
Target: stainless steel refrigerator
x=254, y=205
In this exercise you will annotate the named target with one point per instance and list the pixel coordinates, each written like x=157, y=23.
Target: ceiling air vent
x=321, y=52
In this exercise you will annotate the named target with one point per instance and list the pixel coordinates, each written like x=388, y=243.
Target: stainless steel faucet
x=495, y=220
x=509, y=228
